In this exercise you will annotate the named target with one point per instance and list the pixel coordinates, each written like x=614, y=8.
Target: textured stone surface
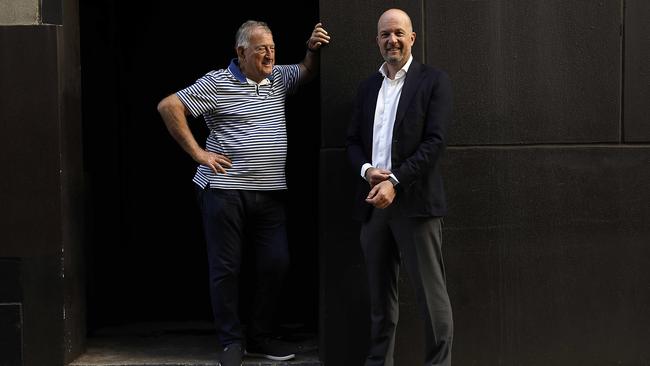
x=19, y=12
x=637, y=71
x=546, y=251
x=529, y=71
x=344, y=303
x=30, y=159
x=11, y=327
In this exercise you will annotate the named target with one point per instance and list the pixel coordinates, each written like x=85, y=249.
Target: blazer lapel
x=408, y=91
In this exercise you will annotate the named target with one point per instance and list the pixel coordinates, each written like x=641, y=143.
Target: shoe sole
x=271, y=357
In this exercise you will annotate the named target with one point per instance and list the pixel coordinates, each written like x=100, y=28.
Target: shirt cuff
x=394, y=177
x=364, y=168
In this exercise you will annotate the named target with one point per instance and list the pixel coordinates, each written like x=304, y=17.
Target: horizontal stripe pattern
x=247, y=123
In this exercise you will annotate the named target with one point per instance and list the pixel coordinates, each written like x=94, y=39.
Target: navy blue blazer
x=419, y=139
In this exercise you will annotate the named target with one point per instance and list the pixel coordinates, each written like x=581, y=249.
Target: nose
x=392, y=38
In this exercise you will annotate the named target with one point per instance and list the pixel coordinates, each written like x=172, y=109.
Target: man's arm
x=354, y=149
x=434, y=140
x=174, y=114
x=428, y=151
x=382, y=192
x=310, y=65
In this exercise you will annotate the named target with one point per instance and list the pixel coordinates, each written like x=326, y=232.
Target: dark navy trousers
x=231, y=219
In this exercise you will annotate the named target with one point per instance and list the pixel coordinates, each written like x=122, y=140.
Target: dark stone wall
x=72, y=186
x=11, y=323
x=28, y=67
x=546, y=239
x=547, y=255
x=31, y=224
x=42, y=299
x=636, y=71
x=529, y=71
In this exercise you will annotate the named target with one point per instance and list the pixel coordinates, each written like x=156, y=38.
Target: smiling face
x=257, y=59
x=395, y=37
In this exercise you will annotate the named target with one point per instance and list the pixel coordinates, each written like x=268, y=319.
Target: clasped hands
x=382, y=192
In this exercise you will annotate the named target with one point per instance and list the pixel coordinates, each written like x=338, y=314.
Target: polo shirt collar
x=239, y=75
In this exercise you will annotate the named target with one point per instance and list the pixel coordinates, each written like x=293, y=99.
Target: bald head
x=395, y=15
x=395, y=37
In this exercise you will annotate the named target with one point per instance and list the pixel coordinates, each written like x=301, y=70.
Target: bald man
x=395, y=141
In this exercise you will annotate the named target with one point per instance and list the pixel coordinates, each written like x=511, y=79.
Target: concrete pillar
x=42, y=319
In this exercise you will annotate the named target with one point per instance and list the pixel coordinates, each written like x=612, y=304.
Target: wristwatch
x=393, y=180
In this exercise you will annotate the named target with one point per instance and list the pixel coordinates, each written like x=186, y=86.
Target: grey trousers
x=389, y=239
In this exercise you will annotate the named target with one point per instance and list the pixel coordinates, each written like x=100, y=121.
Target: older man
x=240, y=179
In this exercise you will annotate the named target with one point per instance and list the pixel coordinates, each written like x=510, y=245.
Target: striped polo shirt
x=247, y=124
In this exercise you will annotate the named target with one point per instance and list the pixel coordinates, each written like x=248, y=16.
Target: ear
x=412, y=38
x=240, y=52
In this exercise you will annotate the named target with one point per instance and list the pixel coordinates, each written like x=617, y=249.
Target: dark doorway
x=146, y=255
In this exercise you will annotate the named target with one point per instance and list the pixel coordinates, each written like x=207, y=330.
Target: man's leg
x=382, y=265
x=267, y=233
x=223, y=222
x=420, y=243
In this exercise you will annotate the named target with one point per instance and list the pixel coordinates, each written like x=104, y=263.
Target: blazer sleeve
x=432, y=145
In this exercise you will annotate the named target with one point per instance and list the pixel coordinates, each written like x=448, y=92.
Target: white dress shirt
x=385, y=112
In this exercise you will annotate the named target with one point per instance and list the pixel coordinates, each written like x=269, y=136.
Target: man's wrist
x=393, y=180
x=313, y=50
x=364, y=170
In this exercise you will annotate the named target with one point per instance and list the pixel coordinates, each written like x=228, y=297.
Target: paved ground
x=173, y=344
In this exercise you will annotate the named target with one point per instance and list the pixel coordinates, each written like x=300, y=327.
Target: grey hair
x=243, y=36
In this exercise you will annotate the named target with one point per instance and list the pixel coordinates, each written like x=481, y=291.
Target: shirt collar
x=239, y=75
x=401, y=72
x=264, y=81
